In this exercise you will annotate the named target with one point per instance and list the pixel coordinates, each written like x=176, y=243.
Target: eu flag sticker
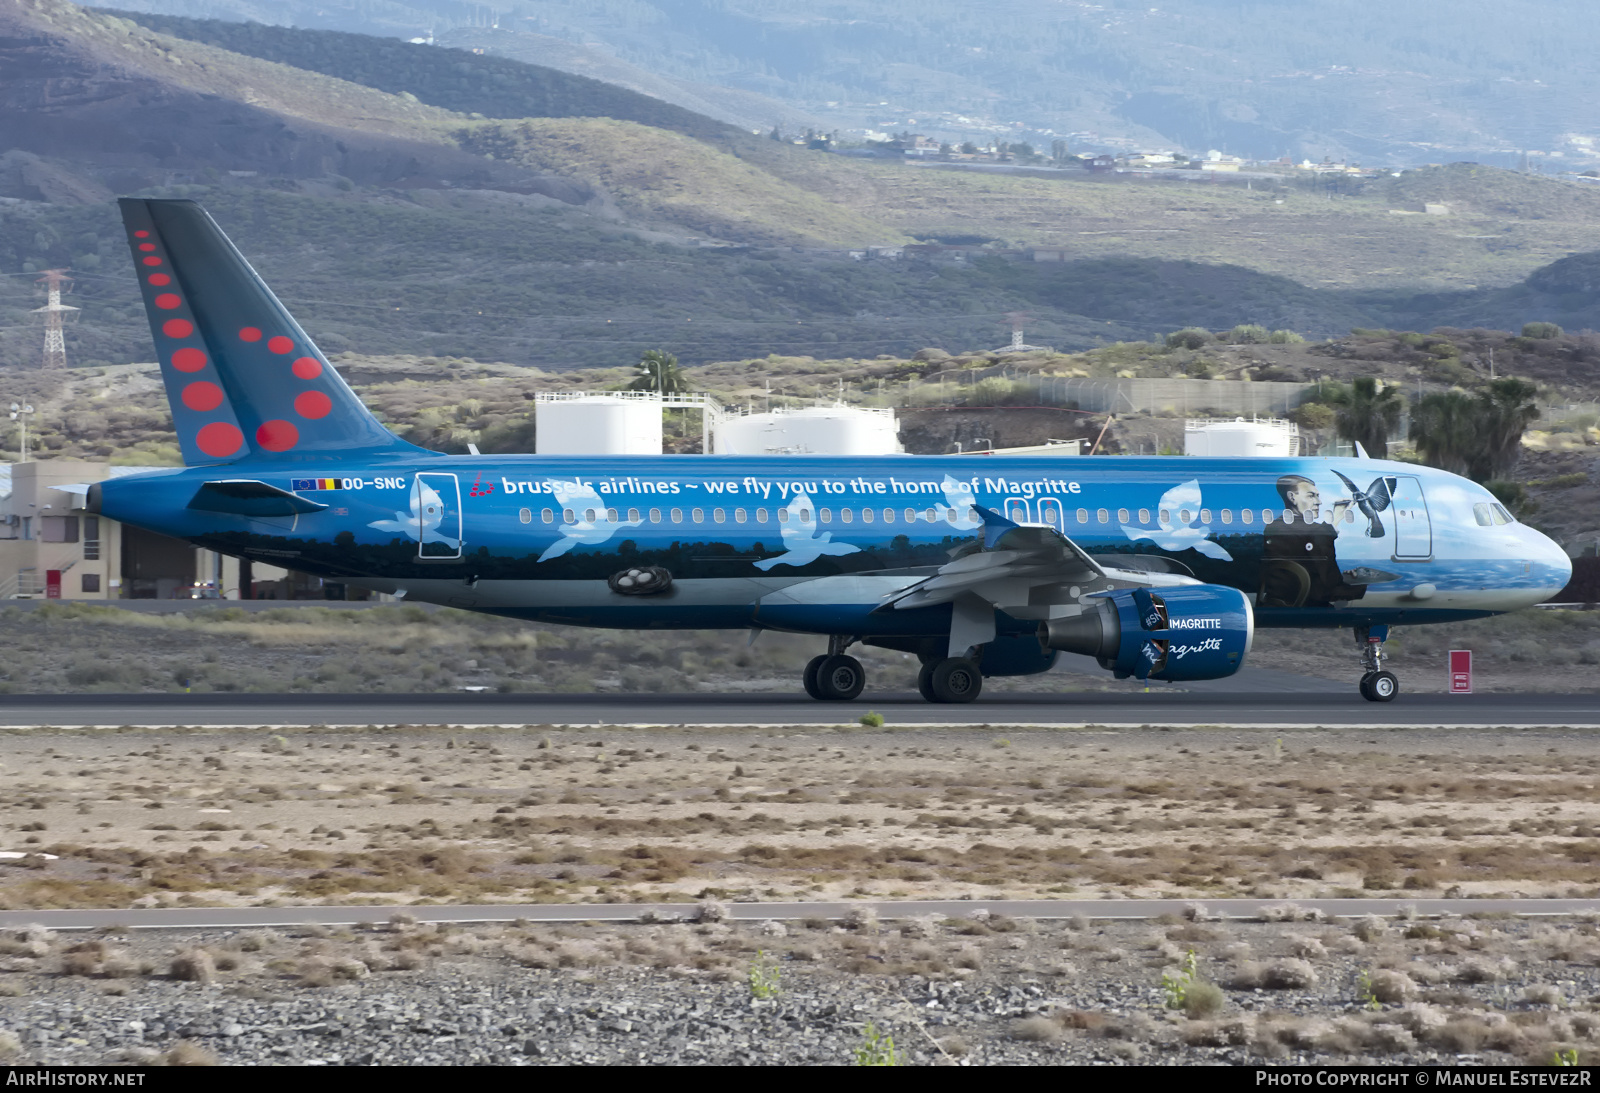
x=302, y=484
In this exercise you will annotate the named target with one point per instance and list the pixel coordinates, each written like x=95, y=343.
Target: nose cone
x=1551, y=568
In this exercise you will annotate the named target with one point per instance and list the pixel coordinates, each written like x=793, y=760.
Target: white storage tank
x=625, y=423
x=1257, y=437
x=815, y=430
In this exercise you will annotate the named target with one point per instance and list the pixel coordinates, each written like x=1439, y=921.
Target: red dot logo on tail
x=277, y=436
x=168, y=300
x=141, y=234
x=202, y=395
x=219, y=439
x=177, y=328
x=280, y=344
x=160, y=279
x=250, y=334
x=307, y=368
x=188, y=359
x=313, y=405
x=152, y=260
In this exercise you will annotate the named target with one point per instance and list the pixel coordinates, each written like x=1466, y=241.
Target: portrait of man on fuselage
x=1299, y=565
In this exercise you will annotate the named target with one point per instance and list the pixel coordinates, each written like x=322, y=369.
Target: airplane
x=1157, y=568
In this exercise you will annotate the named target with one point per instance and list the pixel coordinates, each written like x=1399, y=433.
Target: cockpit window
x=1501, y=516
x=1481, y=513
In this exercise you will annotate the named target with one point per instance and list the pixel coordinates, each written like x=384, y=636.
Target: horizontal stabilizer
x=248, y=497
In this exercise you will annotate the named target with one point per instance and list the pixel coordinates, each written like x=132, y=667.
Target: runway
x=900, y=710
x=238, y=918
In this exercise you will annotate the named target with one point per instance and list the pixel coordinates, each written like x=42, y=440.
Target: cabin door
x=1413, y=530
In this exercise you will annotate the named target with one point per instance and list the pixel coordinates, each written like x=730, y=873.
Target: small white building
x=813, y=430
x=618, y=423
x=1239, y=437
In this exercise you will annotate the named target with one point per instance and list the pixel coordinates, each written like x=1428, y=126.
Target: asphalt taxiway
x=899, y=710
x=237, y=918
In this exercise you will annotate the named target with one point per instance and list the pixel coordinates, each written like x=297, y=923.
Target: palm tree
x=659, y=372
x=1367, y=412
x=1444, y=428
x=1476, y=435
x=1507, y=409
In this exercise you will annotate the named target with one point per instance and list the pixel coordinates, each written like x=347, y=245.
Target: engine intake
x=1197, y=632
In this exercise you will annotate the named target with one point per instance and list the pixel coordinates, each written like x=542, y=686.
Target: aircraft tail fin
x=244, y=381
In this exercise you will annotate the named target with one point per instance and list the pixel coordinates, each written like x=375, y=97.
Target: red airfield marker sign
x=1461, y=671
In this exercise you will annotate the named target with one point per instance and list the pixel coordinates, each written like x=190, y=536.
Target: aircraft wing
x=1018, y=566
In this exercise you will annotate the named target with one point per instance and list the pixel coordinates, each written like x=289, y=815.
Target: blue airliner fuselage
x=1157, y=567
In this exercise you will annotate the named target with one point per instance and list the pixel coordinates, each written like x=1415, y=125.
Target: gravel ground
x=981, y=990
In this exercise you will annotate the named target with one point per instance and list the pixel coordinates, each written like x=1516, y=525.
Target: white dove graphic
x=802, y=544
x=958, y=497
x=423, y=521
x=583, y=500
x=1177, y=515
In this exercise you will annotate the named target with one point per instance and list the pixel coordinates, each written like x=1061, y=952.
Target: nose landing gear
x=1377, y=684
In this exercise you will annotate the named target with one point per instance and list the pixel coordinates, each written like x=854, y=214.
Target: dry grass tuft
x=1392, y=987
x=1038, y=1030
x=187, y=1053
x=1290, y=973
x=194, y=966
x=1203, y=999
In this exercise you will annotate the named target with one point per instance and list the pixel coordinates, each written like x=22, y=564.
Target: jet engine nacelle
x=1195, y=632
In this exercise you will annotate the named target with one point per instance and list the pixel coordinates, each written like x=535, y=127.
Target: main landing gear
x=1377, y=684
x=836, y=677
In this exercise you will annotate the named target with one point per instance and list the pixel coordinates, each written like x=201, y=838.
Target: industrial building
x=51, y=549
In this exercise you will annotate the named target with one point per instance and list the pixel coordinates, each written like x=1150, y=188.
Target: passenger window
x=740, y=516
x=1144, y=516
x=633, y=516
x=588, y=516
x=930, y=516
x=805, y=516
x=888, y=516
x=1227, y=516
x=1083, y=516
x=1247, y=515
x=1104, y=515
x=846, y=515
x=1122, y=516
x=1288, y=516
x=761, y=516
x=548, y=516
x=677, y=516
x=1166, y=516
x=1267, y=515
x=867, y=515
x=1185, y=516
x=825, y=515
x=783, y=516
x=699, y=516
x=1205, y=516
x=719, y=515
x=611, y=515
x=525, y=515
x=568, y=517
x=1349, y=516
x=950, y=516
x=655, y=516
x=911, y=516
